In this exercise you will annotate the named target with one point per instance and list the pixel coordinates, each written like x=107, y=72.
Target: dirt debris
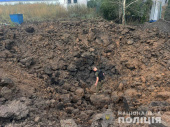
x=50, y=65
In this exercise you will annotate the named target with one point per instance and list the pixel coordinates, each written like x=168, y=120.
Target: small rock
x=37, y=119
x=14, y=109
x=68, y=123
x=168, y=100
x=129, y=42
x=114, y=97
x=47, y=70
x=52, y=101
x=163, y=95
x=64, y=91
x=60, y=106
x=2, y=100
x=107, y=91
x=83, y=115
x=30, y=29
x=91, y=49
x=6, y=54
x=91, y=36
x=151, y=88
x=73, y=89
x=76, y=98
x=130, y=65
x=80, y=92
x=72, y=68
x=27, y=62
x=165, y=117
x=89, y=112
x=120, y=86
x=92, y=89
x=110, y=49
x=9, y=44
x=69, y=110
x=87, y=97
x=158, y=76
x=131, y=92
x=6, y=92
x=100, y=100
x=143, y=79
x=65, y=98
x=86, y=54
x=120, y=94
x=66, y=86
x=6, y=81
x=158, y=103
x=125, y=31
x=76, y=111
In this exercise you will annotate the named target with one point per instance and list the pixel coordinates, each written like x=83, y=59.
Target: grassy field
x=41, y=12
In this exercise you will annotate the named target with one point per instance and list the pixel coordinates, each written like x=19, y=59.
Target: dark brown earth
x=47, y=68
x=162, y=25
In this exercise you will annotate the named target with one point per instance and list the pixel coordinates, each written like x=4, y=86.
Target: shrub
x=139, y=11
x=109, y=11
x=92, y=4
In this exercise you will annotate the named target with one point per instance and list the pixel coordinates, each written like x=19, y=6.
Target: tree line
x=122, y=11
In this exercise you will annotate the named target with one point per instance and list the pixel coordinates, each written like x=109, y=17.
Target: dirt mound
x=54, y=62
x=162, y=25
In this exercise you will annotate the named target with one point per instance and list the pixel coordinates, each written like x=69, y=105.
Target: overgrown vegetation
x=41, y=12
x=112, y=9
x=167, y=12
x=138, y=12
x=78, y=11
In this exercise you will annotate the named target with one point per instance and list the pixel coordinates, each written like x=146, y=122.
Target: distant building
x=13, y=2
x=67, y=3
x=64, y=3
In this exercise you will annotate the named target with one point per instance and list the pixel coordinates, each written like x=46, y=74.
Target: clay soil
x=50, y=64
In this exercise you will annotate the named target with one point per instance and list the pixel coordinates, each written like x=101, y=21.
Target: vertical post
x=120, y=11
x=124, y=11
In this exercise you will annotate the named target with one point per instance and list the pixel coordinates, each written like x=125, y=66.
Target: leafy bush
x=109, y=11
x=92, y=4
x=139, y=11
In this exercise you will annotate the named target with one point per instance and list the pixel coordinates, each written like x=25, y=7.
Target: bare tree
x=124, y=9
x=120, y=10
